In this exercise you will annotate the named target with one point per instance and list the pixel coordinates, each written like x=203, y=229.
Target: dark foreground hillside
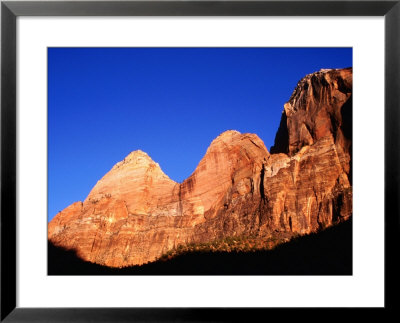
x=328, y=252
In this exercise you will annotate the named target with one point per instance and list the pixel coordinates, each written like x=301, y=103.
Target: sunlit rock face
x=313, y=148
x=135, y=213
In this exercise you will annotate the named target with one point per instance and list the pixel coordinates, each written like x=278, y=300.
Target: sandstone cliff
x=135, y=213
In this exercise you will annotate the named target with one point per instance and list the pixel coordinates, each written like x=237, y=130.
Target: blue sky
x=104, y=103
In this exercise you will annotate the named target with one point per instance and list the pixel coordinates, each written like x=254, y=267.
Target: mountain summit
x=136, y=213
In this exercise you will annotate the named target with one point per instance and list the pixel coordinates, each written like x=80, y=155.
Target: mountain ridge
x=136, y=213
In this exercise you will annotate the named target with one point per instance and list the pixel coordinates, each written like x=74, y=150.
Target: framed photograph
x=255, y=191
x=197, y=161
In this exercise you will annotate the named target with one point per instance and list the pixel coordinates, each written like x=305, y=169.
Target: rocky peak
x=229, y=139
x=313, y=85
x=315, y=110
x=137, y=157
x=136, y=173
x=228, y=134
x=137, y=154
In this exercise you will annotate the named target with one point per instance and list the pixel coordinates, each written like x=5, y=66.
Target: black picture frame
x=10, y=10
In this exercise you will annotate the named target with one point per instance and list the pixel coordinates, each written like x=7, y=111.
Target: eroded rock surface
x=135, y=213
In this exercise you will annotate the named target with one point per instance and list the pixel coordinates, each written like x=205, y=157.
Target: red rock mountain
x=136, y=213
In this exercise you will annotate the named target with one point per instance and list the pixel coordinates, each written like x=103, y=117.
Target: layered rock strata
x=135, y=213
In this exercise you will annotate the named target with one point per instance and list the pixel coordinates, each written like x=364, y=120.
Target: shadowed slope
x=328, y=252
